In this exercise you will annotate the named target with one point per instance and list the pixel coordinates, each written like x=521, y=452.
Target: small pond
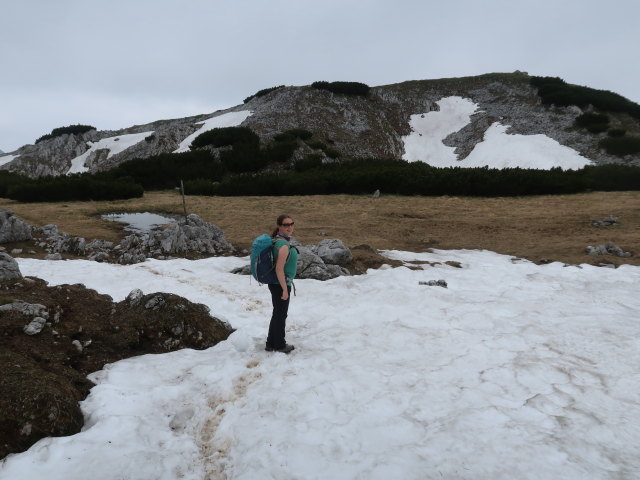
x=139, y=222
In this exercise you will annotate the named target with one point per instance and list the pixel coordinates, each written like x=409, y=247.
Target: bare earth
x=543, y=228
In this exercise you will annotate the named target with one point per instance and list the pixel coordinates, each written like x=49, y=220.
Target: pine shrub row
x=81, y=187
x=262, y=93
x=349, y=88
x=399, y=177
x=554, y=90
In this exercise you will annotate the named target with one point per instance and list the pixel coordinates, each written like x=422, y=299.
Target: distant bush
x=280, y=152
x=617, y=132
x=292, y=134
x=317, y=144
x=313, y=160
x=349, y=88
x=71, y=129
x=243, y=158
x=223, y=137
x=166, y=170
x=621, y=146
x=9, y=179
x=554, y=90
x=593, y=122
x=82, y=187
x=263, y=92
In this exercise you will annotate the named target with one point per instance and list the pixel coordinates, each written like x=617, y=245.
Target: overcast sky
x=125, y=62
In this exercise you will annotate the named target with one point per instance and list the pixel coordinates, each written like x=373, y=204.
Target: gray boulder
x=12, y=229
x=9, y=269
x=332, y=251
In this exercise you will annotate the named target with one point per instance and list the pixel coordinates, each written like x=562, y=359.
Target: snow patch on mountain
x=115, y=145
x=497, y=150
x=231, y=119
x=424, y=143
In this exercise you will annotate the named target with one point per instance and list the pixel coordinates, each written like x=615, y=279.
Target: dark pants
x=278, y=318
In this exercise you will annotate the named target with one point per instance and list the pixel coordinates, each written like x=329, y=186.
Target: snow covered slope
x=515, y=371
x=497, y=150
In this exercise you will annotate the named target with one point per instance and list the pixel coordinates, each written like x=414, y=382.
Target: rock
x=53, y=256
x=99, y=257
x=9, y=269
x=155, y=302
x=332, y=251
x=135, y=296
x=35, y=326
x=24, y=308
x=608, y=248
x=605, y=222
x=434, y=283
x=16, y=251
x=376, y=194
x=12, y=229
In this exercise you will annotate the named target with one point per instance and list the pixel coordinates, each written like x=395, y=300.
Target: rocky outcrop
x=51, y=338
x=188, y=235
x=12, y=229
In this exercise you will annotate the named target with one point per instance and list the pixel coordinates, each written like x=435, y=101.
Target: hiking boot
x=286, y=349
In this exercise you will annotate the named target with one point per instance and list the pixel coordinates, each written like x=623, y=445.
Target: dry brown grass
x=557, y=228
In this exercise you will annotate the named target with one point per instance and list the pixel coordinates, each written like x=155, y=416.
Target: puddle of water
x=138, y=222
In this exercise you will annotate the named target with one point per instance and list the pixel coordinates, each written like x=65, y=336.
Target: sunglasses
x=288, y=224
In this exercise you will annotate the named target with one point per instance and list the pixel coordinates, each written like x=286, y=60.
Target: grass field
x=556, y=228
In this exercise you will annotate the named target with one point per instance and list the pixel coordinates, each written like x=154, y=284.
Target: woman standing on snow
x=286, y=259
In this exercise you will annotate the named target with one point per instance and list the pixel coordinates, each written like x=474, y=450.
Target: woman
x=286, y=258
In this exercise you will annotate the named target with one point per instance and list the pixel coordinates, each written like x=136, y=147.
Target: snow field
x=497, y=150
x=514, y=371
x=115, y=145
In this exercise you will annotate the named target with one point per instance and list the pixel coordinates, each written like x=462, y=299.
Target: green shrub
x=593, y=122
x=313, y=160
x=280, y=152
x=292, y=134
x=554, y=90
x=243, y=158
x=617, y=132
x=621, y=146
x=9, y=179
x=317, y=145
x=166, y=170
x=399, y=177
x=263, y=92
x=79, y=187
x=331, y=152
x=71, y=129
x=223, y=137
x=349, y=88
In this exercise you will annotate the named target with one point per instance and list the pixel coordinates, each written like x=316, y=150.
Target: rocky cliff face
x=357, y=127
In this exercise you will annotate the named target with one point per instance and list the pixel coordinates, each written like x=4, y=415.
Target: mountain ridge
x=355, y=126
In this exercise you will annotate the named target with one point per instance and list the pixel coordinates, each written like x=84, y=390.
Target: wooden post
x=184, y=203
